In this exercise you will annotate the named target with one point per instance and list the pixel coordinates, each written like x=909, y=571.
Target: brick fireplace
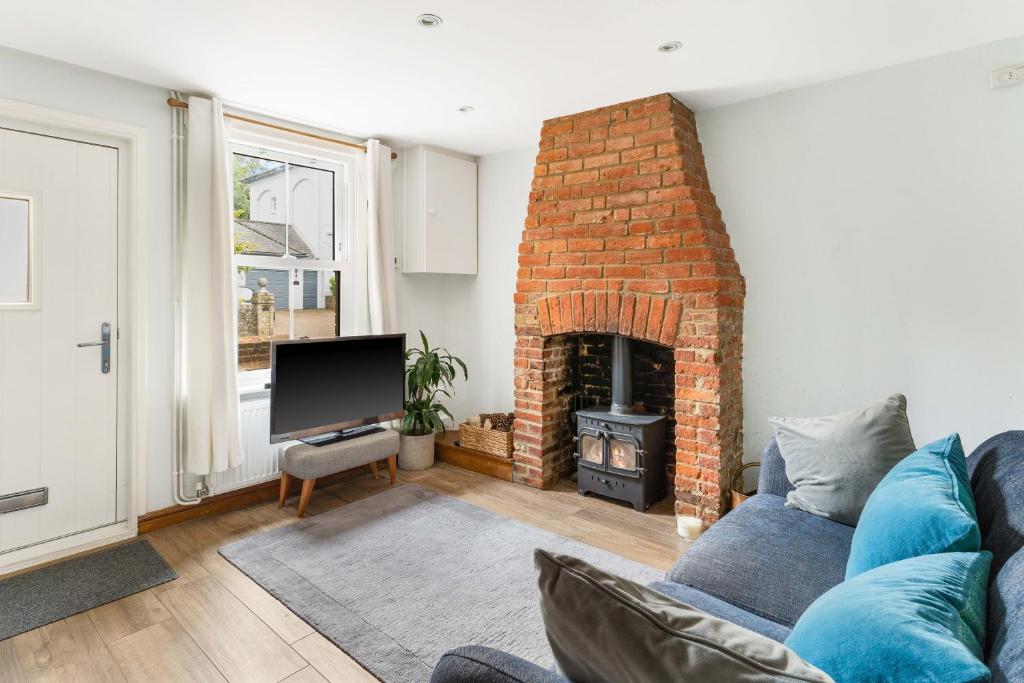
x=623, y=236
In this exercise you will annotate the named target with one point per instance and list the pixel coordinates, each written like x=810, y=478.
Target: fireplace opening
x=615, y=424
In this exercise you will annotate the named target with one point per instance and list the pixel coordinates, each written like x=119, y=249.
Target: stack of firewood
x=500, y=421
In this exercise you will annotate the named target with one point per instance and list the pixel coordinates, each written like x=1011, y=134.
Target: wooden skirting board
x=446, y=451
x=492, y=465
x=232, y=500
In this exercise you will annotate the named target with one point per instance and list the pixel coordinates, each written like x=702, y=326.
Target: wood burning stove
x=621, y=453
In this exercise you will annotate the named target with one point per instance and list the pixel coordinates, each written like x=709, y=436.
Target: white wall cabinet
x=439, y=222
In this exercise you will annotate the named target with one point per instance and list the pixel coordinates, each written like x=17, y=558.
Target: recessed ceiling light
x=465, y=109
x=428, y=20
x=670, y=46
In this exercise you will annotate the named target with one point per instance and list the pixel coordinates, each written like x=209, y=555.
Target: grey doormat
x=46, y=595
x=397, y=579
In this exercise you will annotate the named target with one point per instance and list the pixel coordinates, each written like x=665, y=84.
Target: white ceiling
x=368, y=68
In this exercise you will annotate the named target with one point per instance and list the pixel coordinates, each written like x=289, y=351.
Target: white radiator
x=259, y=463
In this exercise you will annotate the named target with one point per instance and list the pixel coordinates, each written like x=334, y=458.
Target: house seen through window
x=290, y=240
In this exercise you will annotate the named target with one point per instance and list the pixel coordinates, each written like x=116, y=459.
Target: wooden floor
x=213, y=623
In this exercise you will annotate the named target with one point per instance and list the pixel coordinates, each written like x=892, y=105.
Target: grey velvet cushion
x=720, y=608
x=836, y=461
x=606, y=629
x=767, y=558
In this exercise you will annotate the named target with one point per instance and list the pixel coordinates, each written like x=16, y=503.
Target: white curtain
x=376, y=310
x=209, y=338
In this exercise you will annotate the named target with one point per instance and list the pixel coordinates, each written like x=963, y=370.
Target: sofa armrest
x=772, y=478
x=479, y=664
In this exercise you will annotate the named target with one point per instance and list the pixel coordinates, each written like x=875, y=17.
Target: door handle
x=104, y=343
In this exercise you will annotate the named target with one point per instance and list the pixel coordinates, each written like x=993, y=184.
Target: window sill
x=253, y=384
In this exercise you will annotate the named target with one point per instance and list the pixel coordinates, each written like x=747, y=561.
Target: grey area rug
x=46, y=595
x=397, y=579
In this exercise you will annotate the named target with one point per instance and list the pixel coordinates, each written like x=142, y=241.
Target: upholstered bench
x=309, y=463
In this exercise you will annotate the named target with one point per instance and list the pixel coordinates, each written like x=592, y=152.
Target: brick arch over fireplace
x=655, y=318
x=623, y=236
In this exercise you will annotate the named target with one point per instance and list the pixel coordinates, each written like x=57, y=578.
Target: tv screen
x=326, y=385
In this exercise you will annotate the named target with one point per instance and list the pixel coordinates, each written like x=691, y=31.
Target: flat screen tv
x=321, y=386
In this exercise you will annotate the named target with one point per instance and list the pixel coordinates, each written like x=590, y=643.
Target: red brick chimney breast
x=623, y=236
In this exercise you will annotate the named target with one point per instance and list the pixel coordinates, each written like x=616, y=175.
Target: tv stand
x=309, y=463
x=344, y=435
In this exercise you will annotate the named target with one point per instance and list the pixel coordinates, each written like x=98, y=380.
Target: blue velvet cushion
x=923, y=506
x=920, y=619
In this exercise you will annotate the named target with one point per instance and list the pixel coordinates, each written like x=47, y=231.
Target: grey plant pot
x=416, y=452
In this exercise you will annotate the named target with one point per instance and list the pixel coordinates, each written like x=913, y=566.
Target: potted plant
x=429, y=373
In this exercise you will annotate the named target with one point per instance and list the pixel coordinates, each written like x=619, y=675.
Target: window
x=15, y=251
x=291, y=255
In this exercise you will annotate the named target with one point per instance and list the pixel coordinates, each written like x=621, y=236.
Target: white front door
x=58, y=288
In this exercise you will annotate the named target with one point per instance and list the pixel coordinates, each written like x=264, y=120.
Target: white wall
x=879, y=223
x=480, y=323
x=61, y=86
x=473, y=315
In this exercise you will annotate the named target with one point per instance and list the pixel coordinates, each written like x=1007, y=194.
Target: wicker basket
x=736, y=493
x=486, y=440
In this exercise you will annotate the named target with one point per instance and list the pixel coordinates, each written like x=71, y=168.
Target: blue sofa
x=763, y=564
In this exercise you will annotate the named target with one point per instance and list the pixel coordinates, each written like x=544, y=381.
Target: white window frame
x=253, y=143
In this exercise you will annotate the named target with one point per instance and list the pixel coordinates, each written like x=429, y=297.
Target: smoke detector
x=670, y=46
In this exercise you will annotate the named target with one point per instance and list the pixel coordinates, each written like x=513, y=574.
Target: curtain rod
x=172, y=102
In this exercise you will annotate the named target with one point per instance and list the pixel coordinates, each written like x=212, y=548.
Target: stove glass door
x=592, y=448
x=622, y=454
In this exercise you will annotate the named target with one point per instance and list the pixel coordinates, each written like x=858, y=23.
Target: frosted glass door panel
x=14, y=250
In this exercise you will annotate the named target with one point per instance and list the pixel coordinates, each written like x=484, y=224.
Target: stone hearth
x=623, y=236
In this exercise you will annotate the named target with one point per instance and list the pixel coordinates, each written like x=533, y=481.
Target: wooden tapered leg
x=307, y=491
x=286, y=480
x=393, y=467
x=373, y=470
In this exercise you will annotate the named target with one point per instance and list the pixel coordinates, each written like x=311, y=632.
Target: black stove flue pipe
x=622, y=377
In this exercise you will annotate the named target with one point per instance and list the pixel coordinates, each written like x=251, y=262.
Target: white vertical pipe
x=178, y=171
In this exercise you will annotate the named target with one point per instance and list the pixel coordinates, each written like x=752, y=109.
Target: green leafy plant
x=245, y=167
x=241, y=247
x=334, y=285
x=429, y=373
